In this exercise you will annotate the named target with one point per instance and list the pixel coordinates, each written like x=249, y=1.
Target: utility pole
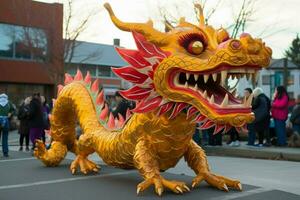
x=285, y=72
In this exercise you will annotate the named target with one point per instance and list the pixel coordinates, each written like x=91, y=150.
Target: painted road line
x=17, y=159
x=242, y=194
x=62, y=180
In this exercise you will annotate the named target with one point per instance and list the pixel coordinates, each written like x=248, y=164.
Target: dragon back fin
x=104, y=116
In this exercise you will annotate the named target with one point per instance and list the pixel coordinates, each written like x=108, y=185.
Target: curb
x=258, y=153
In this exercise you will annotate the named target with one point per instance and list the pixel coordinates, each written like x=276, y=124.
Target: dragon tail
x=79, y=101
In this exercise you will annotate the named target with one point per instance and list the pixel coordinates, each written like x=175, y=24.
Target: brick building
x=31, y=48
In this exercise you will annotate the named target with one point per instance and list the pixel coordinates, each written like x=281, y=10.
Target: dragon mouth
x=209, y=87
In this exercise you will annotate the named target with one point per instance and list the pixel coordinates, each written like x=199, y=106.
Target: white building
x=272, y=76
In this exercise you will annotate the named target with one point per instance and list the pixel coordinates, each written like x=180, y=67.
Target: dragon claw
x=217, y=181
x=86, y=166
x=178, y=189
x=239, y=186
x=138, y=190
x=187, y=188
x=159, y=191
x=160, y=183
x=225, y=188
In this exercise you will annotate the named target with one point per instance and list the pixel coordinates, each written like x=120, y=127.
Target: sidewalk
x=269, y=153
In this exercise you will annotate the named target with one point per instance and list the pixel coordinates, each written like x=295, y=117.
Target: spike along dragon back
x=179, y=80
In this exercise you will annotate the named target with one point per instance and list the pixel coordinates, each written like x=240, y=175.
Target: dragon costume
x=179, y=80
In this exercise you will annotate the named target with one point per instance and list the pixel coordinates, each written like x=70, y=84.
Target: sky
x=275, y=21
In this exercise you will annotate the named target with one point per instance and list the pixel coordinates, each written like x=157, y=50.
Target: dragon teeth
x=225, y=101
x=204, y=94
x=223, y=77
x=186, y=85
x=212, y=99
x=187, y=76
x=206, y=77
x=215, y=77
x=196, y=87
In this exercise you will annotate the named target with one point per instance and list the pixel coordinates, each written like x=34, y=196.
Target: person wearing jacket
x=36, y=120
x=23, y=116
x=250, y=127
x=6, y=111
x=295, y=116
x=280, y=113
x=122, y=106
x=261, y=109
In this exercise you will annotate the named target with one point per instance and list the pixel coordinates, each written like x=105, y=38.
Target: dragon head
x=187, y=68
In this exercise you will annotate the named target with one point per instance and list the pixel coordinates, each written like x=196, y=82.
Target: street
x=24, y=176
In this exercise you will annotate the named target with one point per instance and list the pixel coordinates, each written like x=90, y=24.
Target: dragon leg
x=53, y=156
x=197, y=160
x=145, y=160
x=83, y=150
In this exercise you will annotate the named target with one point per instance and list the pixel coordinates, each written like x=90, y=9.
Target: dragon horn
x=201, y=16
x=145, y=29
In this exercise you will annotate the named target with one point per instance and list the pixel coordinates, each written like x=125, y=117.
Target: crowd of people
x=33, y=116
x=270, y=125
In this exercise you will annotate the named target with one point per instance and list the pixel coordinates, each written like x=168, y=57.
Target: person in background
x=213, y=139
x=234, y=138
x=250, y=127
x=46, y=112
x=280, y=113
x=36, y=121
x=261, y=107
x=6, y=111
x=23, y=116
x=121, y=105
x=295, y=116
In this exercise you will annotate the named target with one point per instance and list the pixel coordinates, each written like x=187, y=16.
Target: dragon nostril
x=235, y=45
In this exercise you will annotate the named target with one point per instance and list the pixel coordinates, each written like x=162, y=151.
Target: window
x=290, y=80
x=6, y=41
x=20, y=42
x=91, y=68
x=104, y=71
x=266, y=80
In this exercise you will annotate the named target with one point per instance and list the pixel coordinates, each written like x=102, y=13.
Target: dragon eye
x=194, y=43
x=195, y=47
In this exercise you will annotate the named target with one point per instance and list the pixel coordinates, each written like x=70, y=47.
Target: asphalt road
x=23, y=177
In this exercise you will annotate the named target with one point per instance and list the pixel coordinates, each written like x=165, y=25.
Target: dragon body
x=179, y=79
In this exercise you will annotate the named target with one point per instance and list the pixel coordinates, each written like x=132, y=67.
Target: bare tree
x=71, y=34
x=237, y=26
